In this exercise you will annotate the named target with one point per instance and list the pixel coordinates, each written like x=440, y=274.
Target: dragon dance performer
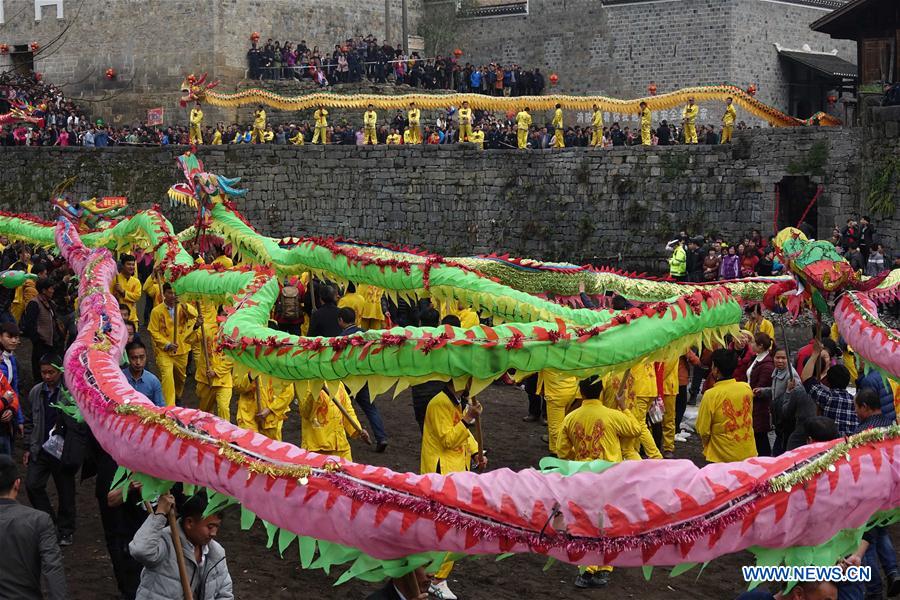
x=597, y=127
x=214, y=373
x=689, y=117
x=258, y=135
x=448, y=447
x=644, y=389
x=478, y=137
x=324, y=428
x=320, y=136
x=523, y=124
x=126, y=287
x=558, y=133
x=465, y=123
x=728, y=120
x=196, y=136
x=725, y=417
x=370, y=118
x=394, y=139
x=559, y=391
x=596, y=432
x=217, y=135
x=415, y=132
x=172, y=328
x=646, y=122
x=263, y=404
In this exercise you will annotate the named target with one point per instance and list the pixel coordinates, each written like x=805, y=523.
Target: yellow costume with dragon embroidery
x=323, y=428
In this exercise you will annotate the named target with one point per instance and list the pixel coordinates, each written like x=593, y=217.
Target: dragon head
x=193, y=89
x=25, y=113
x=202, y=189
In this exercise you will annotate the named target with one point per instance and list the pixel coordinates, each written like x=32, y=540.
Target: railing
x=496, y=10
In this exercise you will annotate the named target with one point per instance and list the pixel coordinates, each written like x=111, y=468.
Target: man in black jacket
x=56, y=446
x=28, y=545
x=324, y=320
x=663, y=134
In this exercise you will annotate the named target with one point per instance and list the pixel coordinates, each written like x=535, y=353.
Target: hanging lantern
x=254, y=37
x=554, y=78
x=34, y=46
x=4, y=48
x=457, y=53
x=651, y=89
x=831, y=98
x=510, y=115
x=110, y=73
x=751, y=89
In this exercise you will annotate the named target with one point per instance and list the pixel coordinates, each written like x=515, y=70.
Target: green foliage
x=812, y=163
x=883, y=187
x=441, y=27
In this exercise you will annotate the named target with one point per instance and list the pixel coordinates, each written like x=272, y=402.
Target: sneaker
x=587, y=581
x=441, y=591
x=893, y=586
x=65, y=539
x=381, y=446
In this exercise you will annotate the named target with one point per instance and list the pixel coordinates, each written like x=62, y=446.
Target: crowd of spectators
x=712, y=258
x=364, y=58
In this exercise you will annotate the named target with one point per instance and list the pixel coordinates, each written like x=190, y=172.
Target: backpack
x=288, y=308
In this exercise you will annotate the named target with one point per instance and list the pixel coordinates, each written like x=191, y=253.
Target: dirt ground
x=510, y=443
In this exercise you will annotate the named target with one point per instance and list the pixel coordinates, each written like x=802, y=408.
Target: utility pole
x=405, y=26
x=387, y=21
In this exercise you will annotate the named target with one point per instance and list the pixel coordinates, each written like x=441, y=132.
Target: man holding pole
x=448, y=447
x=172, y=328
x=262, y=404
x=327, y=421
x=181, y=559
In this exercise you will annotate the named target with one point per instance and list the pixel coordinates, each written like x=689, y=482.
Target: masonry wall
x=577, y=204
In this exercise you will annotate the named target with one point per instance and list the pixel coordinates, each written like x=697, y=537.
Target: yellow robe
x=597, y=125
x=765, y=326
x=689, y=114
x=151, y=288
x=594, y=432
x=465, y=124
x=217, y=138
x=477, y=138
x=728, y=120
x=320, y=134
x=372, y=316
x=259, y=127
x=414, y=116
x=213, y=392
x=646, y=122
x=447, y=445
x=354, y=300
x=559, y=391
x=523, y=124
x=725, y=422
x=323, y=428
x=195, y=136
x=172, y=365
x=630, y=446
x=298, y=139
x=273, y=394
x=559, y=134
x=370, y=118
x=132, y=287
x=24, y=294
x=394, y=139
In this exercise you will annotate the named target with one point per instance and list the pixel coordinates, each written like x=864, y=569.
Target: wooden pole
x=179, y=552
x=347, y=416
x=179, y=555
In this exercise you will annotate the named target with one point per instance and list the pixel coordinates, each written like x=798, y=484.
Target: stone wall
x=880, y=158
x=577, y=204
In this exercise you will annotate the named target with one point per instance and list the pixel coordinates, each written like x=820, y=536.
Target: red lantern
x=457, y=53
x=4, y=48
x=38, y=76
x=751, y=89
x=831, y=98
x=510, y=115
x=34, y=46
x=254, y=37
x=651, y=89
x=554, y=78
x=110, y=73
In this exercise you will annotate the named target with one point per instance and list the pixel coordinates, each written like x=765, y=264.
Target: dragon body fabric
x=22, y=113
x=196, y=89
x=806, y=506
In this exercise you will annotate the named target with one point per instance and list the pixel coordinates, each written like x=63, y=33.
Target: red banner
x=155, y=116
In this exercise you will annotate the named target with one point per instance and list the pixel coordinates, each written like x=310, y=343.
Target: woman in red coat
x=759, y=376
